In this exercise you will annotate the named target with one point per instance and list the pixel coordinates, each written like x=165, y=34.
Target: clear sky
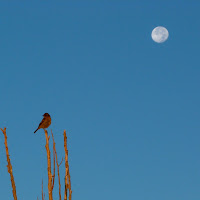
x=130, y=106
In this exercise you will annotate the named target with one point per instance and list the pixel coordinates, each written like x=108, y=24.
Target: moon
x=160, y=34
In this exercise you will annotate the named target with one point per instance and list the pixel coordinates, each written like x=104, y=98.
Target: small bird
x=45, y=123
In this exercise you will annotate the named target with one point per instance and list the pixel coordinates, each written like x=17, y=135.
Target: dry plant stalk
x=51, y=177
x=67, y=174
x=50, y=189
x=58, y=165
x=54, y=169
x=42, y=191
x=9, y=166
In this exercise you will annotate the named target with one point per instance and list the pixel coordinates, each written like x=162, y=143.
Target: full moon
x=160, y=34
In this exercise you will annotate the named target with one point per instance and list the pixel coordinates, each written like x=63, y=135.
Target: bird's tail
x=36, y=130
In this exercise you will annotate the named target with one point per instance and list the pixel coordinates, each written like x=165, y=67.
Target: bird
x=45, y=123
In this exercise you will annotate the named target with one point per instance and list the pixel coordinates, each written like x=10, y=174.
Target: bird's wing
x=41, y=122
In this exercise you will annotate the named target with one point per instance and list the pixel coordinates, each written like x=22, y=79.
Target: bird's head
x=46, y=115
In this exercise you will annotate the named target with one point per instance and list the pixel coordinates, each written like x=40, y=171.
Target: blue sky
x=130, y=106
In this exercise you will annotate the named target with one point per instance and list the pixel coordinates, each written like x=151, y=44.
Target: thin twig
x=9, y=166
x=54, y=168
x=67, y=174
x=42, y=191
x=66, y=188
x=61, y=162
x=66, y=165
x=54, y=148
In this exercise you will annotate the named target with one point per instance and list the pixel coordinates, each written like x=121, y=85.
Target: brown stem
x=54, y=148
x=67, y=174
x=54, y=168
x=49, y=166
x=42, y=191
x=9, y=166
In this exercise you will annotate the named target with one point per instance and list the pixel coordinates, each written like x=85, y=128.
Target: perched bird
x=45, y=123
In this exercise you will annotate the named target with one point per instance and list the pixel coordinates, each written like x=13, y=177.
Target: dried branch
x=49, y=166
x=60, y=162
x=54, y=168
x=67, y=174
x=9, y=166
x=42, y=191
x=54, y=148
x=70, y=191
x=66, y=165
x=65, y=197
